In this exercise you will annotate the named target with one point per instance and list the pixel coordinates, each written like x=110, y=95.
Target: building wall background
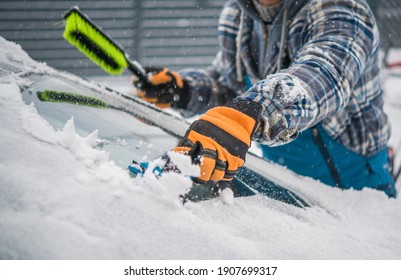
x=175, y=33
x=178, y=33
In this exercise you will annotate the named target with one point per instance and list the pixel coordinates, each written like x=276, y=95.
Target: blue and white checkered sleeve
x=336, y=44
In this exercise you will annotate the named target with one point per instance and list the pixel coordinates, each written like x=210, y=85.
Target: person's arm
x=202, y=88
x=207, y=88
x=337, y=39
x=214, y=86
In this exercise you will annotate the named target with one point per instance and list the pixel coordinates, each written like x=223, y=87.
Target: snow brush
x=98, y=46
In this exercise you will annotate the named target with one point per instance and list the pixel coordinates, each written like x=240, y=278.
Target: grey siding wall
x=178, y=33
x=175, y=33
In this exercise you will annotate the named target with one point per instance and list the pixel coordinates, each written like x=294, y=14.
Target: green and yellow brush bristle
x=90, y=40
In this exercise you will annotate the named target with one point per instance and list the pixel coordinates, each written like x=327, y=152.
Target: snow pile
x=60, y=198
x=14, y=62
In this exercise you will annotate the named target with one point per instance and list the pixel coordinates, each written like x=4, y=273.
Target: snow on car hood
x=60, y=198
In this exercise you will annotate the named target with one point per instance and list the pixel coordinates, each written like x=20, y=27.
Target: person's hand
x=166, y=88
x=221, y=138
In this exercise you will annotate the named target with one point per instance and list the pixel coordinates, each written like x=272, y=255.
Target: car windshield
x=123, y=136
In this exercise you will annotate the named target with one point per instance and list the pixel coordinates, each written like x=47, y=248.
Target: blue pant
x=303, y=156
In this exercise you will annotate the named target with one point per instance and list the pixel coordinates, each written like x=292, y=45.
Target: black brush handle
x=137, y=69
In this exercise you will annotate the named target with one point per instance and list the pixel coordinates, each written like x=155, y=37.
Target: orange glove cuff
x=231, y=121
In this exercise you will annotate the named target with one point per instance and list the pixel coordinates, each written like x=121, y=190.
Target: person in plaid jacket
x=299, y=76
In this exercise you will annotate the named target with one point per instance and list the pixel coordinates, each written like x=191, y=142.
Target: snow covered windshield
x=61, y=201
x=123, y=136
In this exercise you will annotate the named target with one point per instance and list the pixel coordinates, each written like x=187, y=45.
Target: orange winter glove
x=221, y=139
x=166, y=88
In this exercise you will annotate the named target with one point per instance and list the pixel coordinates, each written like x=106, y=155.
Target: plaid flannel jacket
x=317, y=62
